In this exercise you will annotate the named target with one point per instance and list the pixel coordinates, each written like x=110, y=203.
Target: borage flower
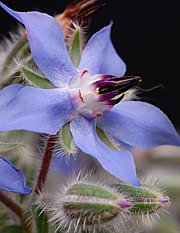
x=11, y=178
x=85, y=97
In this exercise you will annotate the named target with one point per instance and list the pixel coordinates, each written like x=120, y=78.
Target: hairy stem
x=45, y=163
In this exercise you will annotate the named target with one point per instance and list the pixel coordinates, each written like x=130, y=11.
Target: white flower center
x=92, y=95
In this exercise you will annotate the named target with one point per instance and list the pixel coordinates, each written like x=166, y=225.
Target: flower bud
x=97, y=204
x=85, y=206
x=148, y=203
x=145, y=199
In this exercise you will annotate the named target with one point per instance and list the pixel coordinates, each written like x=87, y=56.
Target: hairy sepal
x=67, y=145
x=108, y=140
x=75, y=48
x=9, y=146
x=34, y=79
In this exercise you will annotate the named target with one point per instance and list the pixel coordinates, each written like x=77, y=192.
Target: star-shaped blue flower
x=84, y=97
x=11, y=178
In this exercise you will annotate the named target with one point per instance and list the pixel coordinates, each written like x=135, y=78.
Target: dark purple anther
x=112, y=89
x=104, y=83
x=107, y=96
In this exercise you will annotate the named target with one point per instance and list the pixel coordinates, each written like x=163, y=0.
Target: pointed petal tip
x=102, y=59
x=130, y=118
x=47, y=45
x=11, y=12
x=12, y=179
x=27, y=191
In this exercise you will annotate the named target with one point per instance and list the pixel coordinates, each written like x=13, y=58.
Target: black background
x=145, y=34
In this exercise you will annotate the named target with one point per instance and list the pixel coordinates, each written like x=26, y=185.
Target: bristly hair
x=77, y=14
x=77, y=11
x=146, y=220
x=51, y=201
x=11, y=48
x=83, y=32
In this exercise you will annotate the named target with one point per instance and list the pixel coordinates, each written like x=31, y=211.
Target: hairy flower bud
x=148, y=202
x=145, y=199
x=85, y=206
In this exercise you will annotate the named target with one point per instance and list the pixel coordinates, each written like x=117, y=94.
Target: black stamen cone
x=121, y=85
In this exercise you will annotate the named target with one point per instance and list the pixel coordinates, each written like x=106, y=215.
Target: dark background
x=145, y=33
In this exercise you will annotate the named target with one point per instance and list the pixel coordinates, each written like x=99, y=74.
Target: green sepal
x=35, y=79
x=66, y=140
x=99, y=210
x=107, y=139
x=8, y=146
x=12, y=229
x=41, y=220
x=75, y=47
x=92, y=190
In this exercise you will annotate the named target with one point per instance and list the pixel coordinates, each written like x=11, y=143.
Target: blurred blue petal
x=139, y=124
x=11, y=178
x=100, y=57
x=47, y=45
x=117, y=163
x=34, y=109
x=66, y=167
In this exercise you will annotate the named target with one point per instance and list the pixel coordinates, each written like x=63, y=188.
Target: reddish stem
x=45, y=163
x=8, y=202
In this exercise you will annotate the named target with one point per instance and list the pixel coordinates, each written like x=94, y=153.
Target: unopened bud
x=96, y=204
x=85, y=207
x=145, y=199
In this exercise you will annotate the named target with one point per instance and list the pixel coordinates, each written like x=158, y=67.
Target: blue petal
x=69, y=167
x=100, y=57
x=34, y=109
x=118, y=163
x=139, y=124
x=11, y=178
x=47, y=45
